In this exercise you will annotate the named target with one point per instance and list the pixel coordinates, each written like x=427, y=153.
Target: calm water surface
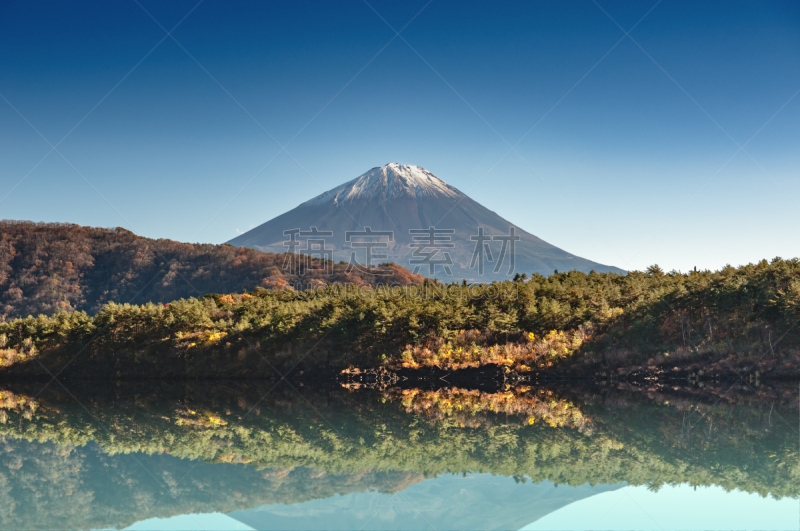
x=201, y=455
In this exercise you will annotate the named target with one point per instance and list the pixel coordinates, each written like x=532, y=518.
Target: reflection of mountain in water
x=477, y=501
x=676, y=507
x=46, y=486
x=137, y=451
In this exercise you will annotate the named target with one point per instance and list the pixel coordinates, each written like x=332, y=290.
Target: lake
x=317, y=455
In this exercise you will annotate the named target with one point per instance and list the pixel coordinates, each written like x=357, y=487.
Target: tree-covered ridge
x=738, y=318
x=51, y=267
x=749, y=444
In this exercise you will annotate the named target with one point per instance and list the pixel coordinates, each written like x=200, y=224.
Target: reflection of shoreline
x=252, y=436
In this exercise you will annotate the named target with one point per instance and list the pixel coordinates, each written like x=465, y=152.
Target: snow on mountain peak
x=392, y=181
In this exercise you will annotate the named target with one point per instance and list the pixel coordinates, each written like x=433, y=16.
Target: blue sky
x=626, y=150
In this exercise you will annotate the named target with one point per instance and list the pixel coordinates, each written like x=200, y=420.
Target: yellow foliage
x=216, y=420
x=464, y=406
x=216, y=336
x=464, y=351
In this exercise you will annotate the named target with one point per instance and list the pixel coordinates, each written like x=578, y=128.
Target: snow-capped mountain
x=393, y=181
x=426, y=225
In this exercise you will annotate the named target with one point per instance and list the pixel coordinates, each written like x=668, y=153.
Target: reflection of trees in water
x=48, y=486
x=281, y=448
x=473, y=408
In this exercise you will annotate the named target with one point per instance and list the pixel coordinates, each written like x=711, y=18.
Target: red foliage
x=48, y=267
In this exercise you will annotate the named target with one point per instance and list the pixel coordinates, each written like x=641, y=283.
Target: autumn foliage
x=474, y=408
x=50, y=267
x=471, y=348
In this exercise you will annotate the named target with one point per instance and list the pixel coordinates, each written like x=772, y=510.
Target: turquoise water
x=241, y=457
x=495, y=503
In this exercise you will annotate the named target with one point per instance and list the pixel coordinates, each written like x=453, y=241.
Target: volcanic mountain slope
x=398, y=199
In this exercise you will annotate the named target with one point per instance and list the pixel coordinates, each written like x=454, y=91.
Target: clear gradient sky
x=678, y=144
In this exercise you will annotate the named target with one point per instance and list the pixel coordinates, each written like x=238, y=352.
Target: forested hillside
x=49, y=267
x=743, y=319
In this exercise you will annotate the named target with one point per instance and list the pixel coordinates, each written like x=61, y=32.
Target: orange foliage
x=473, y=408
x=50, y=267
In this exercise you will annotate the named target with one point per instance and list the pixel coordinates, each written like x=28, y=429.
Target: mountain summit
x=393, y=181
x=423, y=224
